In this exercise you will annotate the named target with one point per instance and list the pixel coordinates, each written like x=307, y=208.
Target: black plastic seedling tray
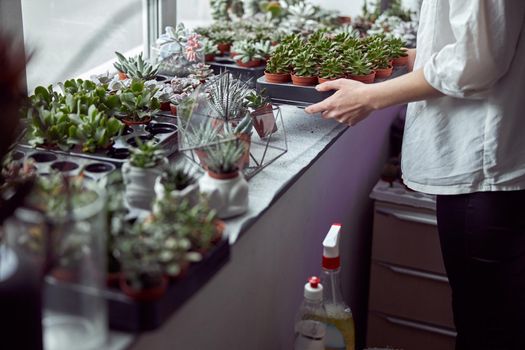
x=249, y=75
x=303, y=95
x=128, y=315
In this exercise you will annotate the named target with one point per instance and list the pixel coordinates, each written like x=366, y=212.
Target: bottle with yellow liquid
x=340, y=330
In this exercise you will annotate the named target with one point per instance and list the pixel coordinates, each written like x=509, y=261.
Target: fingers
x=330, y=85
x=320, y=107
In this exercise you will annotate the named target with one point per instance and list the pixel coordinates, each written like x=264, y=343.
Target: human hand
x=350, y=104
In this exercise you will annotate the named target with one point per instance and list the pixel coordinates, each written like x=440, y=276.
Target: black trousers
x=483, y=243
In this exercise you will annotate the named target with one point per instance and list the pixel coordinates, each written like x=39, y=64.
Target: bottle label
x=333, y=339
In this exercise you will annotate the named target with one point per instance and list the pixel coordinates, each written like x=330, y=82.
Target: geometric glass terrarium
x=217, y=112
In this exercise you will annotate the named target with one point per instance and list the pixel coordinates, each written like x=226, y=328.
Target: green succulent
x=138, y=101
x=226, y=96
x=357, y=63
x=256, y=100
x=305, y=63
x=176, y=178
x=332, y=68
x=245, y=126
x=202, y=135
x=397, y=48
x=278, y=63
x=136, y=67
x=246, y=51
x=50, y=127
x=94, y=130
x=146, y=155
x=209, y=47
x=222, y=37
x=223, y=158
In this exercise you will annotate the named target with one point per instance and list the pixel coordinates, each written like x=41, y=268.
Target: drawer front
x=410, y=294
x=385, y=330
x=406, y=237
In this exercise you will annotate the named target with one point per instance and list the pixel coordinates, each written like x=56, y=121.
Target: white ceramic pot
x=190, y=193
x=229, y=197
x=140, y=184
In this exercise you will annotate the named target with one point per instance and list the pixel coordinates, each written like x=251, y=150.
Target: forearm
x=411, y=59
x=407, y=88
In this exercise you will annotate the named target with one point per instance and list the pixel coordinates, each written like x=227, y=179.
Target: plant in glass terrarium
x=177, y=49
x=261, y=111
x=136, y=67
x=226, y=100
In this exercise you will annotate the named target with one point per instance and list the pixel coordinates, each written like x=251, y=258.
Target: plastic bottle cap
x=331, y=259
x=313, y=290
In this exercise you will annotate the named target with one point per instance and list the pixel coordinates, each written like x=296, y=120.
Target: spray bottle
x=309, y=328
x=340, y=331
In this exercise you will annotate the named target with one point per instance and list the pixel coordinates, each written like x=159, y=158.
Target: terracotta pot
x=173, y=109
x=344, y=20
x=277, y=78
x=122, y=75
x=146, y=294
x=304, y=81
x=233, y=54
x=165, y=106
x=264, y=120
x=246, y=141
x=367, y=79
x=401, y=61
x=209, y=58
x=324, y=80
x=203, y=156
x=220, y=226
x=130, y=122
x=221, y=176
x=223, y=48
x=383, y=73
x=249, y=64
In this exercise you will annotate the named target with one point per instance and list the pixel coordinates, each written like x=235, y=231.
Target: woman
x=465, y=142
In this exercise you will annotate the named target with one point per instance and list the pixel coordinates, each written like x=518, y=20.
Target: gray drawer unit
x=410, y=300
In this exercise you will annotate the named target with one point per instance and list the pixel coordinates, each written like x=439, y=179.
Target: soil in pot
x=249, y=64
x=277, y=78
x=132, y=141
x=64, y=166
x=384, y=73
x=99, y=168
x=304, y=81
x=118, y=153
x=367, y=79
x=147, y=294
x=160, y=128
x=43, y=157
x=161, y=78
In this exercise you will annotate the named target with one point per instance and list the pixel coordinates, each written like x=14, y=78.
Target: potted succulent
x=94, y=130
x=247, y=54
x=49, y=128
x=226, y=99
x=199, y=138
x=264, y=48
x=305, y=68
x=359, y=67
x=223, y=183
x=277, y=68
x=201, y=72
x=135, y=68
x=379, y=54
x=177, y=183
x=146, y=163
x=332, y=68
x=398, y=52
x=138, y=103
x=243, y=132
x=261, y=111
x=176, y=100
x=210, y=50
x=223, y=40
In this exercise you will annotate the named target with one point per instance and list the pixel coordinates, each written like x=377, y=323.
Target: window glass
x=193, y=13
x=72, y=37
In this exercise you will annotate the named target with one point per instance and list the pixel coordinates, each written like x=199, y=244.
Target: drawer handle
x=420, y=326
x=411, y=217
x=415, y=273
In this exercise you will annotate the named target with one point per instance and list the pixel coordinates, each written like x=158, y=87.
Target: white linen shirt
x=473, y=138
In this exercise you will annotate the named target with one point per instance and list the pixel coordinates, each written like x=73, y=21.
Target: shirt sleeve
x=486, y=35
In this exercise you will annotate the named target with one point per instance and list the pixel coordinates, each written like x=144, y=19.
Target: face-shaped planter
x=140, y=184
x=227, y=193
x=190, y=193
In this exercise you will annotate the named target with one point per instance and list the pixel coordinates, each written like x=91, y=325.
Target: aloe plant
x=136, y=67
x=224, y=157
x=245, y=126
x=94, y=130
x=138, y=101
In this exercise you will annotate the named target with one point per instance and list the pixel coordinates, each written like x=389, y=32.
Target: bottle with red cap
x=309, y=327
x=340, y=330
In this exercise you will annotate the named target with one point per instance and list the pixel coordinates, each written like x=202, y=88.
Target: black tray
x=303, y=95
x=249, y=75
x=129, y=315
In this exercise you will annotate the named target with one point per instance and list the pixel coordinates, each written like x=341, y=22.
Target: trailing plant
x=226, y=97
x=94, y=130
x=138, y=101
x=136, y=67
x=305, y=63
x=176, y=178
x=223, y=158
x=146, y=155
